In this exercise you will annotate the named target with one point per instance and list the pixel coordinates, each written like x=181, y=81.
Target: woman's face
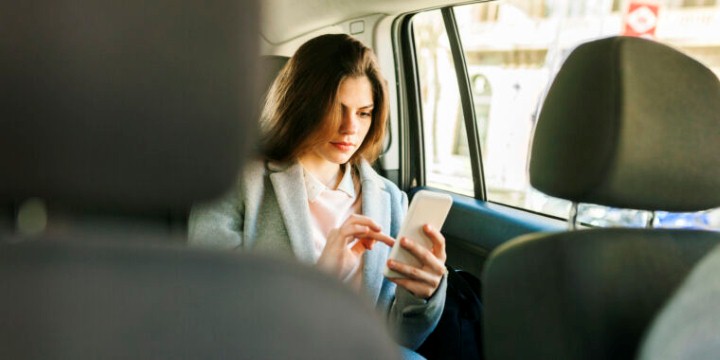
x=356, y=100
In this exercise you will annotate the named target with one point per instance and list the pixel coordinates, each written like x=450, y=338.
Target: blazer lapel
x=375, y=205
x=293, y=202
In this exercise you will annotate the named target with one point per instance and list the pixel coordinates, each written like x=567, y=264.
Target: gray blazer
x=268, y=212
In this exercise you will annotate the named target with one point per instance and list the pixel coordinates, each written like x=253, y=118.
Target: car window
x=512, y=49
x=447, y=158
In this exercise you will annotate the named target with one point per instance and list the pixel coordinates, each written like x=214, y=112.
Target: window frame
x=410, y=116
x=410, y=142
x=466, y=102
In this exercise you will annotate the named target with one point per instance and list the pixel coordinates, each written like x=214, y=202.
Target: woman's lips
x=343, y=146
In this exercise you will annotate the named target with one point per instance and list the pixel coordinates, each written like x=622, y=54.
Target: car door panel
x=474, y=228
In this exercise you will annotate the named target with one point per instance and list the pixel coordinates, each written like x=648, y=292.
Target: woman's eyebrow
x=362, y=107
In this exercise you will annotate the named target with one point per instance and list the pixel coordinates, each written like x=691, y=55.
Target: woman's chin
x=341, y=158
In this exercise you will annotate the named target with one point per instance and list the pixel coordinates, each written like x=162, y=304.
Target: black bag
x=458, y=335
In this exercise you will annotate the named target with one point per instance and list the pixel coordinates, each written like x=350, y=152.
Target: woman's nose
x=349, y=123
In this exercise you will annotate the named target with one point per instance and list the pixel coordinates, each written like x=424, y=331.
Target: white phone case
x=426, y=208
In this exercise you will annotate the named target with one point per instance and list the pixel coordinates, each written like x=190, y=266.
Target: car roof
x=284, y=20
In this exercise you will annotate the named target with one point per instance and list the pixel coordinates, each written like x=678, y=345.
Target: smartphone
x=426, y=208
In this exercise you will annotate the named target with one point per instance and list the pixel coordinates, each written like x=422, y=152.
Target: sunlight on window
x=447, y=160
x=513, y=49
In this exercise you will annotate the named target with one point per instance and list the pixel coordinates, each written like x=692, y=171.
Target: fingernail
x=429, y=227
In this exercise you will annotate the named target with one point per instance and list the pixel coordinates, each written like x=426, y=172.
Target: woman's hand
x=422, y=281
x=346, y=244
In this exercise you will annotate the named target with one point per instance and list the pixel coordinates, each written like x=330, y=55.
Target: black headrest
x=125, y=104
x=630, y=123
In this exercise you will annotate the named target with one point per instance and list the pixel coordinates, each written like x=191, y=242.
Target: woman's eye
x=365, y=114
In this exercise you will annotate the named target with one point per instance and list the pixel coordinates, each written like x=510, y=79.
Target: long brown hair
x=302, y=107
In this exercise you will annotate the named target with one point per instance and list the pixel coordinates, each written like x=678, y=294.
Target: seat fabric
x=627, y=122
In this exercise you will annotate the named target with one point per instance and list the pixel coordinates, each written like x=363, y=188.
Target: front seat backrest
x=136, y=107
x=122, y=104
x=627, y=123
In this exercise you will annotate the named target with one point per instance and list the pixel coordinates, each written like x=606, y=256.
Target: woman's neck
x=326, y=172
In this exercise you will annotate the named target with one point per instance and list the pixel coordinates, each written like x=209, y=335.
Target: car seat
x=134, y=110
x=627, y=123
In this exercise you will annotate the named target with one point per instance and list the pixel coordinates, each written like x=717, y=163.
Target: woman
x=314, y=195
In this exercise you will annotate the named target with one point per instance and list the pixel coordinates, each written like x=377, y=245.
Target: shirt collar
x=314, y=187
x=346, y=183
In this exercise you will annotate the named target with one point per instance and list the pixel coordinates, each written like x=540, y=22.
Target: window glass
x=447, y=160
x=513, y=48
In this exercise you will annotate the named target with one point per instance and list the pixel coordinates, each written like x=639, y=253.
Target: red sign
x=641, y=19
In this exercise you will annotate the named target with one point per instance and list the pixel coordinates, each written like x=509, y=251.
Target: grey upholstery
x=270, y=66
x=143, y=92
x=630, y=123
x=589, y=294
x=129, y=109
x=627, y=122
x=688, y=327
x=68, y=301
